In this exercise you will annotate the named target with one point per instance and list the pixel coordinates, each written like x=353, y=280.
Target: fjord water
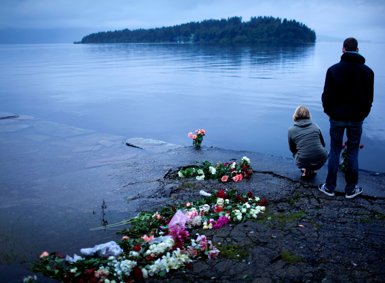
x=243, y=96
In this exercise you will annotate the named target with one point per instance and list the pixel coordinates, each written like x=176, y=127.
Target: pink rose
x=190, y=135
x=147, y=238
x=44, y=254
x=224, y=178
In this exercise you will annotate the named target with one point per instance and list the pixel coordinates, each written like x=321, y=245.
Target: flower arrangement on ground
x=223, y=172
x=197, y=137
x=344, y=156
x=156, y=243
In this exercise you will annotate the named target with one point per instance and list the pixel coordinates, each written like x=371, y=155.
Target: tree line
x=225, y=31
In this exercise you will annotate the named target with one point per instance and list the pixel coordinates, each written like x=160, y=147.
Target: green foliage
x=230, y=31
x=290, y=257
x=237, y=252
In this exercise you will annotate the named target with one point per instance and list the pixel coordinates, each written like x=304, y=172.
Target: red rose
x=137, y=248
x=221, y=194
x=263, y=202
x=218, y=209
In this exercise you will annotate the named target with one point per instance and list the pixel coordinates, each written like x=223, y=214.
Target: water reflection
x=162, y=91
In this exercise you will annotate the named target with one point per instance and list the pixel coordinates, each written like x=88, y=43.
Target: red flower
x=137, y=273
x=137, y=248
x=218, y=209
x=221, y=194
x=250, y=194
x=263, y=202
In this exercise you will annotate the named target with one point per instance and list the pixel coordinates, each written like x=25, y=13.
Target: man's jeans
x=353, y=133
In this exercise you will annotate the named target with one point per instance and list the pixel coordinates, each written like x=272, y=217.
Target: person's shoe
x=322, y=188
x=357, y=191
x=308, y=174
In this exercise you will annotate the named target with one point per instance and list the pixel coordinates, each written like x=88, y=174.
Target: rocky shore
x=303, y=237
x=54, y=178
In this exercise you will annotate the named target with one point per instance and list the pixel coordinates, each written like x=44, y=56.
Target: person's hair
x=301, y=113
x=351, y=44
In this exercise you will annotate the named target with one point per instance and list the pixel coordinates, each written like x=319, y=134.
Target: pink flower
x=147, y=238
x=125, y=238
x=222, y=221
x=224, y=178
x=190, y=135
x=238, y=178
x=213, y=253
x=44, y=254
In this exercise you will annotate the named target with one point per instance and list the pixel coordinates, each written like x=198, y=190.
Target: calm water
x=243, y=96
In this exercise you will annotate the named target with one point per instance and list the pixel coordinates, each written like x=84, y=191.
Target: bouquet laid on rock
x=156, y=243
x=224, y=172
x=197, y=137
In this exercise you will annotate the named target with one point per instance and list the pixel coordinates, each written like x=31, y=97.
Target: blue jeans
x=353, y=133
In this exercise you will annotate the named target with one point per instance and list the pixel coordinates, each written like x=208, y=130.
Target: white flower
x=123, y=267
x=212, y=170
x=247, y=205
x=205, y=207
x=145, y=273
x=257, y=199
x=200, y=172
x=30, y=278
x=156, y=249
x=227, y=201
x=73, y=270
x=232, y=166
x=239, y=217
x=168, y=261
x=220, y=202
x=73, y=259
x=247, y=160
x=200, y=177
x=196, y=221
x=133, y=254
x=180, y=174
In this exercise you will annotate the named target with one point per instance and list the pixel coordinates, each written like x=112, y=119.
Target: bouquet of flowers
x=224, y=172
x=344, y=156
x=197, y=137
x=156, y=243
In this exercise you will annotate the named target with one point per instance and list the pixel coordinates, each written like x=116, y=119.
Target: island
x=258, y=30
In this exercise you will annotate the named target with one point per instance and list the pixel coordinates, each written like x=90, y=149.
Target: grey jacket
x=307, y=145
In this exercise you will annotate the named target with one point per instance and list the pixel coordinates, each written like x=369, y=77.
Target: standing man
x=347, y=99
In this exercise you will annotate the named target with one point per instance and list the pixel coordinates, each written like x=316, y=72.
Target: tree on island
x=230, y=31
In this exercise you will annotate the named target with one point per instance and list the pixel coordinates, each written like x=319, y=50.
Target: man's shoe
x=322, y=188
x=357, y=191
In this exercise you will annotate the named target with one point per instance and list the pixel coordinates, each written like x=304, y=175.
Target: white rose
x=220, y=202
x=200, y=177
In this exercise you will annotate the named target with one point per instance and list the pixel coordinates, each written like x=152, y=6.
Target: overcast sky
x=70, y=20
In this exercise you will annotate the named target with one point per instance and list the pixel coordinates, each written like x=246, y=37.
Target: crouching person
x=306, y=143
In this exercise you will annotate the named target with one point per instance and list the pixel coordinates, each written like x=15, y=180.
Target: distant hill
x=225, y=31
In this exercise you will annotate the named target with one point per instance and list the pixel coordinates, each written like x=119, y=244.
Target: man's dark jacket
x=348, y=90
